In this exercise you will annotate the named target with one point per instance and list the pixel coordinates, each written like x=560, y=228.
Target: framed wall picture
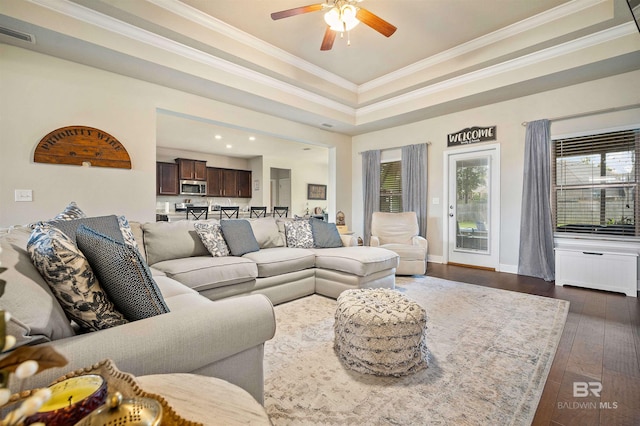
x=316, y=192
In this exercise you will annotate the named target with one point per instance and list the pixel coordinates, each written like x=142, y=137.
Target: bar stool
x=197, y=212
x=229, y=212
x=281, y=211
x=258, y=212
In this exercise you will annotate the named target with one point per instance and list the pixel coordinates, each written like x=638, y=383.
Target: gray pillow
x=239, y=236
x=106, y=225
x=325, y=234
x=123, y=273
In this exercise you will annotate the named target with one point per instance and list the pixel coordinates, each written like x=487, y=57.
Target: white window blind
x=595, y=184
x=391, y=187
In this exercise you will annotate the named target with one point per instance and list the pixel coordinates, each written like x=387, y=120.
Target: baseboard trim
x=510, y=269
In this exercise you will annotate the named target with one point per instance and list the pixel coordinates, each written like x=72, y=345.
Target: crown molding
x=115, y=26
x=533, y=22
x=214, y=24
x=507, y=66
x=124, y=29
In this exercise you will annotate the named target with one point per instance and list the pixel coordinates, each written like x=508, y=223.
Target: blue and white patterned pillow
x=211, y=235
x=71, y=279
x=127, y=233
x=298, y=233
x=72, y=211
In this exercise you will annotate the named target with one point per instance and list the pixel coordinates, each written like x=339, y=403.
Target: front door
x=473, y=206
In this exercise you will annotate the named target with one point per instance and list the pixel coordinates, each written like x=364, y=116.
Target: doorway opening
x=280, y=188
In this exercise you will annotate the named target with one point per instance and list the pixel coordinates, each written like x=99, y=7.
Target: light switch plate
x=435, y=200
x=24, y=195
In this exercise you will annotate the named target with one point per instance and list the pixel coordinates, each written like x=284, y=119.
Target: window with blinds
x=595, y=184
x=391, y=187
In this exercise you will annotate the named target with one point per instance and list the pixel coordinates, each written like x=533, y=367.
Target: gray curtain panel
x=370, y=189
x=414, y=183
x=536, y=227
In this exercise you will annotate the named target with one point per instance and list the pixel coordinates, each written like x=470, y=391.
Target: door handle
x=450, y=214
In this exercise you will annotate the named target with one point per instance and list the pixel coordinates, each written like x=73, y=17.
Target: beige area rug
x=491, y=351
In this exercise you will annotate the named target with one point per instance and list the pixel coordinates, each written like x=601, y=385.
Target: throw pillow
x=123, y=273
x=325, y=234
x=107, y=225
x=71, y=279
x=299, y=234
x=127, y=232
x=239, y=236
x=211, y=236
x=72, y=211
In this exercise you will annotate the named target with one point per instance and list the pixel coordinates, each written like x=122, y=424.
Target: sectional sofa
x=221, y=309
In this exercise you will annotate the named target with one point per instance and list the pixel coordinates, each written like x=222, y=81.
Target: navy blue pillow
x=239, y=236
x=123, y=274
x=325, y=234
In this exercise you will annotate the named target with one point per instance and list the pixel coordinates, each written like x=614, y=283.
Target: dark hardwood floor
x=600, y=344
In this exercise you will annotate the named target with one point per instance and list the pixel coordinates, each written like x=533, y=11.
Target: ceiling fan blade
x=296, y=11
x=375, y=22
x=329, y=37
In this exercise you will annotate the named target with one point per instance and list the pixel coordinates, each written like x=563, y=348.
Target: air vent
x=29, y=38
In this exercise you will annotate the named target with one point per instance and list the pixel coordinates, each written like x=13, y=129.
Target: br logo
x=583, y=389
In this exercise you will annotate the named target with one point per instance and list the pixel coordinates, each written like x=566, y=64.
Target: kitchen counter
x=175, y=216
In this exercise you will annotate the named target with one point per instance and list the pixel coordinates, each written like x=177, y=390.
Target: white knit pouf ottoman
x=381, y=332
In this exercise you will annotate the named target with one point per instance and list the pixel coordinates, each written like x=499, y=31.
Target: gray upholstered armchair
x=398, y=232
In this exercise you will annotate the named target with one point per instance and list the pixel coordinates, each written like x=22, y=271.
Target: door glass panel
x=472, y=204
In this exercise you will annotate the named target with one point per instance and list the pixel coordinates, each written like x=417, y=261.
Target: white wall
x=302, y=173
x=40, y=93
x=592, y=96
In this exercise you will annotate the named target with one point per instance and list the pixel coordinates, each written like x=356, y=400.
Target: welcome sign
x=472, y=135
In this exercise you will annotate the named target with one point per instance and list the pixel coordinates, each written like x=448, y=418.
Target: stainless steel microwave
x=193, y=187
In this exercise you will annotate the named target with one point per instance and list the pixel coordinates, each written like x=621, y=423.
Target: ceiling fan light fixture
x=342, y=18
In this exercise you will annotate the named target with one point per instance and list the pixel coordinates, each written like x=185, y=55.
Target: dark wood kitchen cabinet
x=167, y=179
x=228, y=183
x=192, y=169
x=215, y=182
x=243, y=183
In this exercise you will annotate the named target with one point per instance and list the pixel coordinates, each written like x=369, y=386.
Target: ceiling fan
x=341, y=17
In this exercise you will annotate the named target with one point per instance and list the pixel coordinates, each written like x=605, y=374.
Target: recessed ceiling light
x=229, y=146
x=218, y=137
x=252, y=138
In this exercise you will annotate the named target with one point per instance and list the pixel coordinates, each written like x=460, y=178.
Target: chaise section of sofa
x=280, y=272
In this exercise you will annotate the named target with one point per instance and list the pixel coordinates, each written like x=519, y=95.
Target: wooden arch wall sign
x=82, y=145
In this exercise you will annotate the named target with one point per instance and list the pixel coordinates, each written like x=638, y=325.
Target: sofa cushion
x=298, y=233
x=325, y=234
x=266, y=232
x=239, y=236
x=361, y=261
x=281, y=260
x=211, y=236
x=123, y=273
x=69, y=275
x=36, y=315
x=171, y=240
x=205, y=272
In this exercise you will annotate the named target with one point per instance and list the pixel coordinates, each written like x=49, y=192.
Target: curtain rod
x=586, y=114
x=396, y=147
